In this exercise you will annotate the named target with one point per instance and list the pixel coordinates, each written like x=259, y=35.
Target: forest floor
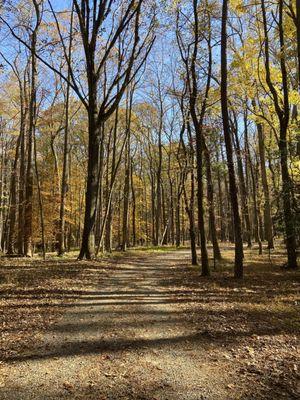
x=146, y=326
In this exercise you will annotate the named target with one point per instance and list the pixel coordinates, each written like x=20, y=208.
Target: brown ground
x=147, y=326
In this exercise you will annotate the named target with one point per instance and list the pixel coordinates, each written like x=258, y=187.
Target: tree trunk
x=3, y=194
x=221, y=204
x=65, y=175
x=211, y=206
x=133, y=205
x=40, y=200
x=28, y=249
x=283, y=113
x=108, y=230
x=21, y=208
x=88, y=238
x=243, y=189
x=13, y=200
x=192, y=219
x=254, y=180
x=268, y=227
x=177, y=220
x=238, y=266
x=126, y=198
x=158, y=189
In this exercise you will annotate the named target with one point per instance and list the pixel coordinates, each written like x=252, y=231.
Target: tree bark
x=238, y=266
x=28, y=214
x=126, y=197
x=133, y=195
x=283, y=113
x=243, y=188
x=65, y=175
x=13, y=199
x=211, y=206
x=268, y=226
x=94, y=131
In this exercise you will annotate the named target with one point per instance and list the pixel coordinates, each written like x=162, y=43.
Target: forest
x=149, y=170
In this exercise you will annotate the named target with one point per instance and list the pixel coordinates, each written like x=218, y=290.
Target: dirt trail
x=124, y=338
x=146, y=327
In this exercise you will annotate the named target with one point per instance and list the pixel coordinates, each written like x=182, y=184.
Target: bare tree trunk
x=221, y=205
x=108, y=238
x=172, y=223
x=41, y=210
x=3, y=192
x=125, y=236
x=189, y=57
x=88, y=239
x=283, y=113
x=21, y=207
x=65, y=175
x=13, y=200
x=177, y=220
x=254, y=180
x=190, y=205
x=90, y=29
x=152, y=208
x=158, y=175
x=126, y=199
x=133, y=196
x=192, y=218
x=243, y=189
x=238, y=266
x=211, y=206
x=267, y=205
x=28, y=249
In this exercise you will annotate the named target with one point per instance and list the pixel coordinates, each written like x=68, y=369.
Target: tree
x=283, y=114
x=189, y=58
x=238, y=266
x=65, y=173
x=28, y=251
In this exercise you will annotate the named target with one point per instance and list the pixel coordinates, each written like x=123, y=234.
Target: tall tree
x=238, y=266
x=268, y=228
x=282, y=109
x=65, y=171
x=28, y=250
x=189, y=58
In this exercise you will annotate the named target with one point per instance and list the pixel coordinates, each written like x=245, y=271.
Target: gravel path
x=145, y=326
x=125, y=337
